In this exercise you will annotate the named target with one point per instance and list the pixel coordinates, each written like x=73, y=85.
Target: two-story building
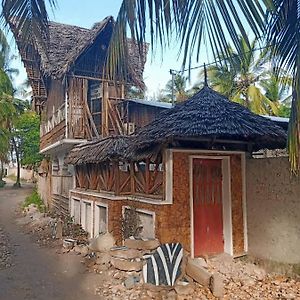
x=75, y=100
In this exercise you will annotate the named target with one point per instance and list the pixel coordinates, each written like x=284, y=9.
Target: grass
x=35, y=199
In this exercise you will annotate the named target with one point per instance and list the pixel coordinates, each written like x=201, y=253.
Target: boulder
x=68, y=243
x=198, y=273
x=131, y=281
x=126, y=265
x=59, y=229
x=125, y=253
x=102, y=243
x=103, y=259
x=217, y=285
x=184, y=288
x=141, y=244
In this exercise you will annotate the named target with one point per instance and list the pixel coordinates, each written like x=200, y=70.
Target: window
x=101, y=217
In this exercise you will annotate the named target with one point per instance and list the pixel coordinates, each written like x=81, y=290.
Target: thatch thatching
x=100, y=150
x=68, y=42
x=209, y=116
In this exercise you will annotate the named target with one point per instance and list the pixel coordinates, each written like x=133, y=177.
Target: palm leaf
x=29, y=17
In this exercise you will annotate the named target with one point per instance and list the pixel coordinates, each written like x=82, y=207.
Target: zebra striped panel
x=163, y=266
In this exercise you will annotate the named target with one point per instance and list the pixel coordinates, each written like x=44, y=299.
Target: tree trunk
x=18, y=181
x=2, y=182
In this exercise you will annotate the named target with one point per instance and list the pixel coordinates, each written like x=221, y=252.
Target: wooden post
x=105, y=119
x=117, y=178
x=132, y=180
x=147, y=176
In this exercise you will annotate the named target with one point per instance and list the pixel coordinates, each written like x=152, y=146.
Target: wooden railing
x=143, y=179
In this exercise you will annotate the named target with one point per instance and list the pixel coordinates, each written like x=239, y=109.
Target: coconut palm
x=176, y=87
x=216, y=22
x=194, y=22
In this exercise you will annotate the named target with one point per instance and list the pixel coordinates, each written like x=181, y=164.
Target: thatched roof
x=68, y=42
x=211, y=116
x=100, y=150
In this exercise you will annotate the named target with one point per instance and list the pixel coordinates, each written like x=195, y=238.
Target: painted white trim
x=243, y=161
x=84, y=202
x=61, y=143
x=227, y=211
x=72, y=207
x=144, y=211
x=97, y=219
x=66, y=114
x=196, y=151
x=116, y=198
x=169, y=177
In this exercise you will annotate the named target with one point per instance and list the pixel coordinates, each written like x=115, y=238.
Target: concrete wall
x=44, y=189
x=273, y=208
x=24, y=173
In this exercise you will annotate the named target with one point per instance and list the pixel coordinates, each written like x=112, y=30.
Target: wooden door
x=207, y=204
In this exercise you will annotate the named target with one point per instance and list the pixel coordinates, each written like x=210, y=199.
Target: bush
x=2, y=183
x=35, y=199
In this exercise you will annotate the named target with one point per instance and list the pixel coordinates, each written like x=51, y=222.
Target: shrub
x=35, y=199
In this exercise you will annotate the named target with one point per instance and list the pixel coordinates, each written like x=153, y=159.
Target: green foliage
x=35, y=199
x=27, y=130
x=131, y=223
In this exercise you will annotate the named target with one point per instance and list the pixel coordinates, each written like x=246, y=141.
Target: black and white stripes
x=163, y=266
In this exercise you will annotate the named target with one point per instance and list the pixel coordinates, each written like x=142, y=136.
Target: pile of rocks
x=5, y=250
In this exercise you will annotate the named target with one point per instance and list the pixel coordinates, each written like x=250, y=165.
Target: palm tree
x=29, y=17
x=239, y=78
x=177, y=88
x=192, y=22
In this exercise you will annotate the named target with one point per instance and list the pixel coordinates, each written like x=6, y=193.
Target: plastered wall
x=273, y=208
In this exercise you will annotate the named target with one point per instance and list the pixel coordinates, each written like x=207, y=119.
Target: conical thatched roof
x=210, y=115
x=106, y=149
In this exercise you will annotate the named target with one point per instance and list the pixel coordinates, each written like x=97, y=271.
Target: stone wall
x=273, y=208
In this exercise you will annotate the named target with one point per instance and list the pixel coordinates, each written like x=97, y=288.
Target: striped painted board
x=163, y=266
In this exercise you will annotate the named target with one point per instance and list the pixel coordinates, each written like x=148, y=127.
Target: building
x=75, y=100
x=184, y=173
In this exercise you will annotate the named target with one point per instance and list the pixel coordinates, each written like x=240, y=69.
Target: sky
x=86, y=13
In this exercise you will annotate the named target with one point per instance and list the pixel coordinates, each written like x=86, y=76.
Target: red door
x=207, y=203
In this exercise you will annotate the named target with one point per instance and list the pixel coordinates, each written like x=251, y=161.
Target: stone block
x=199, y=274
x=126, y=265
x=141, y=244
x=102, y=243
x=217, y=285
x=184, y=288
x=126, y=253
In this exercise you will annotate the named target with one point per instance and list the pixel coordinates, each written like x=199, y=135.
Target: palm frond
x=283, y=33
x=27, y=16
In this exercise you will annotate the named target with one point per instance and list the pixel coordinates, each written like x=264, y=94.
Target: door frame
x=226, y=201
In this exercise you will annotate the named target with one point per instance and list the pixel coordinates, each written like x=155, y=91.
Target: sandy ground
x=38, y=273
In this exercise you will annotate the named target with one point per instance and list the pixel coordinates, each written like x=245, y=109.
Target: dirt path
x=38, y=273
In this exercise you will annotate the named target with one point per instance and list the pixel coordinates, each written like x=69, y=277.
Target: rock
x=125, y=265
x=131, y=281
x=141, y=244
x=126, y=253
x=103, y=258
x=84, y=250
x=201, y=262
x=59, y=229
x=217, y=285
x=184, y=288
x=199, y=274
x=102, y=243
x=68, y=244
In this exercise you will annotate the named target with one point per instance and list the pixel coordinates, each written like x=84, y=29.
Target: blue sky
x=86, y=13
